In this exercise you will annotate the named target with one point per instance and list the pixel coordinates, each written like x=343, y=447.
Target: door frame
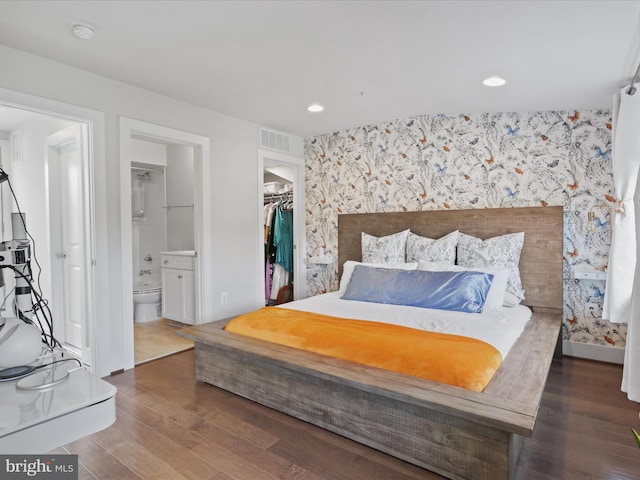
x=202, y=220
x=299, y=227
x=76, y=134
x=96, y=217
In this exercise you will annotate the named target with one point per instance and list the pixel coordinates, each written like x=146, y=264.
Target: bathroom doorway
x=162, y=207
x=135, y=134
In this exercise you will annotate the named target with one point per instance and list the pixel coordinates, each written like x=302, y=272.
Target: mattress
x=499, y=328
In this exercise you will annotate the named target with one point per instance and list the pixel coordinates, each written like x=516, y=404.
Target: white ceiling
x=365, y=61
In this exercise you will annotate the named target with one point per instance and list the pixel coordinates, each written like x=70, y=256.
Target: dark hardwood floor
x=171, y=427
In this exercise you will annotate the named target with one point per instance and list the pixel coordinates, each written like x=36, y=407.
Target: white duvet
x=498, y=328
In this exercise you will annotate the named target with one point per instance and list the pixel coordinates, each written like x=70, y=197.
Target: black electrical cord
x=72, y=359
x=40, y=306
x=14, y=373
x=33, y=241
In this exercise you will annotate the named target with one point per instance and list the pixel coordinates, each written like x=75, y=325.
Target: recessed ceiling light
x=83, y=30
x=494, y=81
x=315, y=108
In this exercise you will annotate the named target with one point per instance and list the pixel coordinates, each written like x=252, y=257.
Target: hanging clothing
x=283, y=238
x=278, y=242
x=267, y=278
x=281, y=278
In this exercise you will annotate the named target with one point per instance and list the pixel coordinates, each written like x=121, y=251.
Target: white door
x=68, y=260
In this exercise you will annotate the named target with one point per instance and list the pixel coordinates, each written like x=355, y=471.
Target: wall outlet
x=589, y=274
x=584, y=275
x=224, y=297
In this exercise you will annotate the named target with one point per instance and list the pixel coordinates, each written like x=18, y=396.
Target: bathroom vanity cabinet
x=178, y=286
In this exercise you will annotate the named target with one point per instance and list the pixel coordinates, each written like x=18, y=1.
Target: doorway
x=131, y=130
x=292, y=170
x=66, y=155
x=57, y=185
x=162, y=221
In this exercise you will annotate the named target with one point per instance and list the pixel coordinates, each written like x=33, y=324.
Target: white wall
x=148, y=153
x=5, y=213
x=149, y=232
x=5, y=193
x=180, y=229
x=28, y=179
x=233, y=157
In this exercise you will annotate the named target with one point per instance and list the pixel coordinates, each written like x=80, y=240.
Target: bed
x=455, y=432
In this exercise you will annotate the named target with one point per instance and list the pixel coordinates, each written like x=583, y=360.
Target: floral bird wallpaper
x=472, y=161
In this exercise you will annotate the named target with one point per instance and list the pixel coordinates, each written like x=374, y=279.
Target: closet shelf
x=278, y=196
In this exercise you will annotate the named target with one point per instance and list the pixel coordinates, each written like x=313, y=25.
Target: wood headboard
x=542, y=253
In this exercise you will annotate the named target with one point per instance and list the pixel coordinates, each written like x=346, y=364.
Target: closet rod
x=178, y=206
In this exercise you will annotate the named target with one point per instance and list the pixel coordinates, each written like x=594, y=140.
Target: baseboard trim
x=593, y=352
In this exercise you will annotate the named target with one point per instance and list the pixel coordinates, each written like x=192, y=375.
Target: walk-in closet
x=278, y=236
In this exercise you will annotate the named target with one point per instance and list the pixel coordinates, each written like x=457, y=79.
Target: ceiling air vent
x=274, y=140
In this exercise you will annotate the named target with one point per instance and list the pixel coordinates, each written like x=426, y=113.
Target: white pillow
x=511, y=300
x=389, y=249
x=503, y=251
x=441, y=250
x=496, y=296
x=349, y=265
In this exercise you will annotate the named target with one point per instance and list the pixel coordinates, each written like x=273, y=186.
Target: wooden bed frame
x=454, y=432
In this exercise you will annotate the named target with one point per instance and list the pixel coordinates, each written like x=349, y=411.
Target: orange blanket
x=452, y=359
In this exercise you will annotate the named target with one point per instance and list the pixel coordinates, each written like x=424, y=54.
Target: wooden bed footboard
x=454, y=432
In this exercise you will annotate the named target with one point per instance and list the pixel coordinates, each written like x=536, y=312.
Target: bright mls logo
x=49, y=467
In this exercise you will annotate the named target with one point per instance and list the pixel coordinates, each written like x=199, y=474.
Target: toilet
x=147, y=298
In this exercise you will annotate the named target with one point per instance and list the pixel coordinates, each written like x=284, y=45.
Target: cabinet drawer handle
x=165, y=262
x=179, y=276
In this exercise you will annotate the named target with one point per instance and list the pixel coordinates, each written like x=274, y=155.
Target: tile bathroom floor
x=158, y=339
